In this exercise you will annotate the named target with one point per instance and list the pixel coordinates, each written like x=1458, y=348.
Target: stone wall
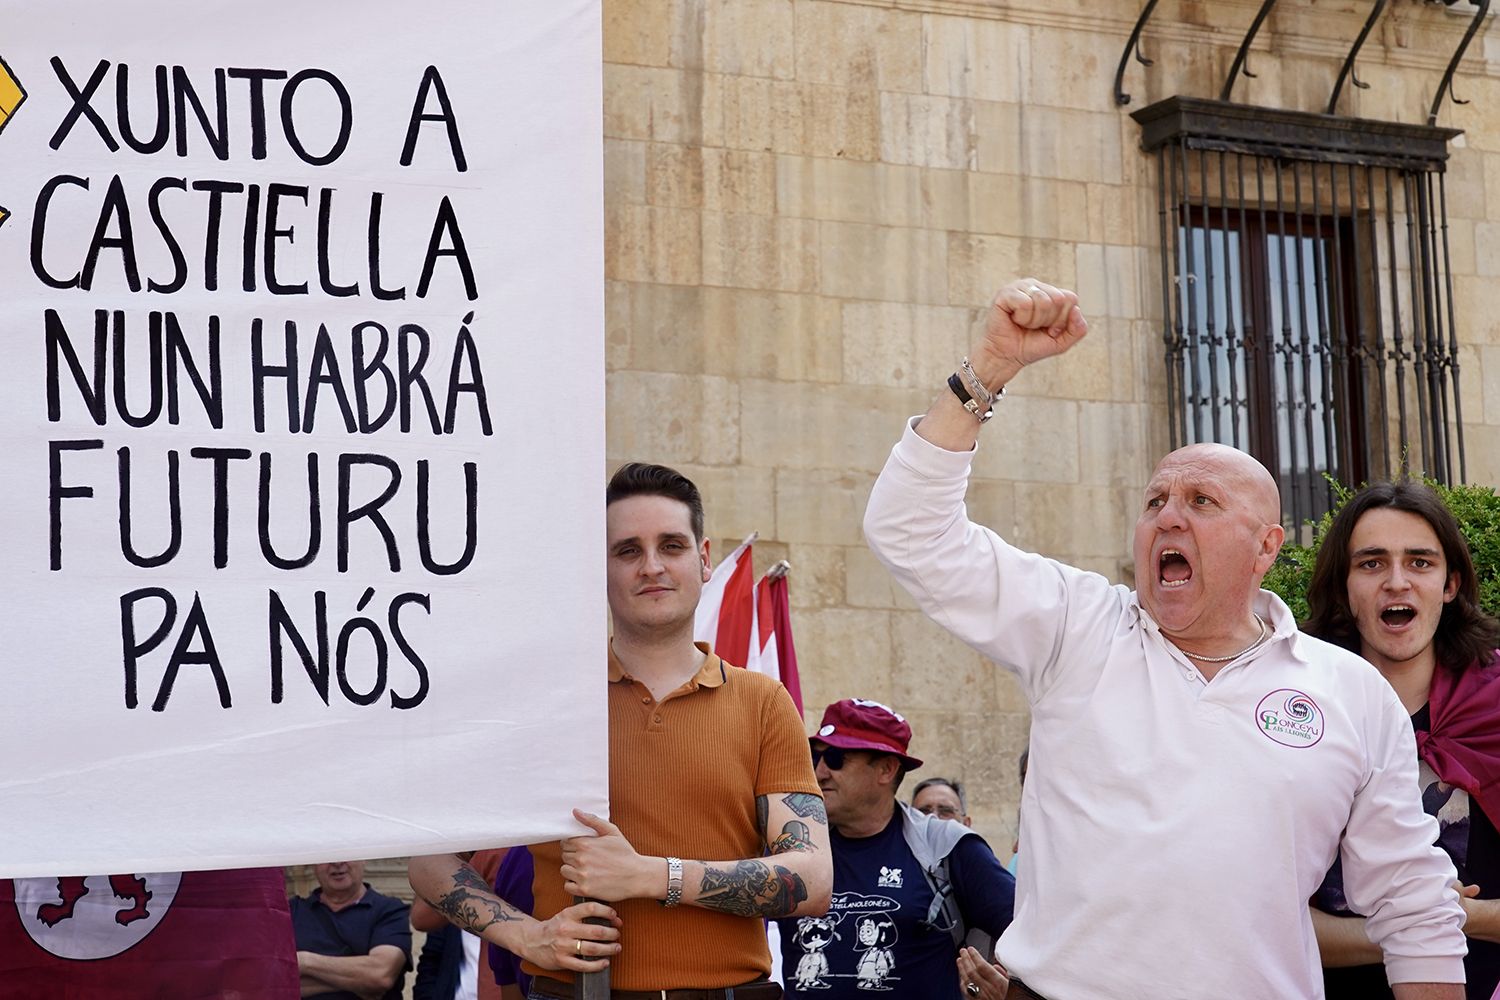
x=808, y=204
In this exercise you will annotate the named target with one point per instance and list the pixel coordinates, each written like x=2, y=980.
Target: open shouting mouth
x=1173, y=569
x=1398, y=615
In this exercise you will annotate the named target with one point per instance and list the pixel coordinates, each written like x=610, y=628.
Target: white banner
x=302, y=414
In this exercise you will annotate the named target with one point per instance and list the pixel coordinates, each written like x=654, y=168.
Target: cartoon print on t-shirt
x=814, y=934
x=1450, y=805
x=870, y=962
x=875, y=934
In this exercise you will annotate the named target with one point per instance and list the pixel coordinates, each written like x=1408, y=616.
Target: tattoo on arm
x=795, y=836
x=762, y=815
x=806, y=806
x=468, y=906
x=751, y=889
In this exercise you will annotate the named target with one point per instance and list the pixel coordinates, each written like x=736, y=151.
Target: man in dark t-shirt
x=352, y=942
x=882, y=932
x=1470, y=838
x=1394, y=582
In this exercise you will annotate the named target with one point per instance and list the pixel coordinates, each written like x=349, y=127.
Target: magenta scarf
x=1463, y=745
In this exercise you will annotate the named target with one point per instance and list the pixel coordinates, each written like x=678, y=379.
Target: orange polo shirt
x=684, y=774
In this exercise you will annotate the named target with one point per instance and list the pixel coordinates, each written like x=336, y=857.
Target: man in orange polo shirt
x=706, y=761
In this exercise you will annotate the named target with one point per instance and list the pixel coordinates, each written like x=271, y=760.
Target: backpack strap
x=931, y=841
x=943, y=913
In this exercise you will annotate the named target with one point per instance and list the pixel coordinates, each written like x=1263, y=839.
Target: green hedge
x=1477, y=509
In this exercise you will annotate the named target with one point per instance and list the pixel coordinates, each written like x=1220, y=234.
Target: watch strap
x=674, y=882
x=969, y=403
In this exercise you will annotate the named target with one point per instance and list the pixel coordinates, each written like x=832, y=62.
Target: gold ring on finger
x=578, y=948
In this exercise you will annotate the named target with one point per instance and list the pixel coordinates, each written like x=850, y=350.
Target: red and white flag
x=775, y=616
x=749, y=624
x=140, y=936
x=726, y=612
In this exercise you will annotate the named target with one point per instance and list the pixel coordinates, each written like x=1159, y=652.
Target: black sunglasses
x=832, y=756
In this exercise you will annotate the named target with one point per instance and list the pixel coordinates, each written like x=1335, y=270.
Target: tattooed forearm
x=471, y=905
x=751, y=889
x=807, y=806
x=795, y=836
x=762, y=812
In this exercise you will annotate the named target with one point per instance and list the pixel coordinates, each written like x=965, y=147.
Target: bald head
x=1209, y=529
x=1251, y=481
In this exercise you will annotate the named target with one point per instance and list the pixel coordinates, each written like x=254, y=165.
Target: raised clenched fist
x=1028, y=320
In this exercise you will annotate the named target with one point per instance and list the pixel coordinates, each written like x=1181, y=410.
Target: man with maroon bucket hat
x=907, y=888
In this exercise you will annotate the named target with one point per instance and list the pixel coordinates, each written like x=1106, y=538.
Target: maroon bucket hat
x=858, y=724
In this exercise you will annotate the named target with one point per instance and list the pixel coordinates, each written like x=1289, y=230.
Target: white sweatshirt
x=1174, y=828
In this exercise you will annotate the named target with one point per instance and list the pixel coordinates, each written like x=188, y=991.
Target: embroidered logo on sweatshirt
x=1290, y=718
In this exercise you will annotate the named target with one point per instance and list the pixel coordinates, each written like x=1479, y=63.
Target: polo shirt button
x=658, y=718
x=645, y=699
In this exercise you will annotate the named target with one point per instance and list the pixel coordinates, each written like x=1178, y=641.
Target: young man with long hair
x=1394, y=582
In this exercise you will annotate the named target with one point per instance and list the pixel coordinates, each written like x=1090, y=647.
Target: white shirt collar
x=1270, y=607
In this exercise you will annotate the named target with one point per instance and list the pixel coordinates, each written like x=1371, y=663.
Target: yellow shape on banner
x=11, y=94
x=4, y=214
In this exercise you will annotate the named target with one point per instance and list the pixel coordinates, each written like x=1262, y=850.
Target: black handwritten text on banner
x=306, y=537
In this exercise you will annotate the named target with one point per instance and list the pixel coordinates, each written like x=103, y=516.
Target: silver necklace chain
x=1234, y=656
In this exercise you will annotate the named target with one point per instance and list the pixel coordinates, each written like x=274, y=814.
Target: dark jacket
x=438, y=965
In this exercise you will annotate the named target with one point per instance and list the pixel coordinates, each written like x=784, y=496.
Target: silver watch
x=674, y=882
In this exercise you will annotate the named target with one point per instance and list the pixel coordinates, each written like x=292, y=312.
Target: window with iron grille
x=1306, y=293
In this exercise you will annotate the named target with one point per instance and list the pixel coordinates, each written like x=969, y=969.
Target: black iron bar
x=1211, y=356
x=1179, y=342
x=1413, y=208
x=1339, y=356
x=1446, y=87
x=1244, y=51
x=1248, y=336
x=1171, y=333
x=1348, y=71
x=1305, y=348
x=1266, y=343
x=1133, y=45
x=1291, y=151
x=1398, y=343
x=1287, y=459
x=1432, y=339
x=1458, y=413
x=1190, y=287
x=1378, y=349
x=1231, y=275
x=1322, y=310
x=1358, y=351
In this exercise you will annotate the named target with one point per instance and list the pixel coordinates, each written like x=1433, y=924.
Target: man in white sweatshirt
x=1196, y=762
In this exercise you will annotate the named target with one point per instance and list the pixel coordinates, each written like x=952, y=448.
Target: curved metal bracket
x=1134, y=45
x=1244, y=52
x=1348, y=71
x=1446, y=87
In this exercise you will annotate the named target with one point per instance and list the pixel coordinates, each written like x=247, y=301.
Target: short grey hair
x=953, y=783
